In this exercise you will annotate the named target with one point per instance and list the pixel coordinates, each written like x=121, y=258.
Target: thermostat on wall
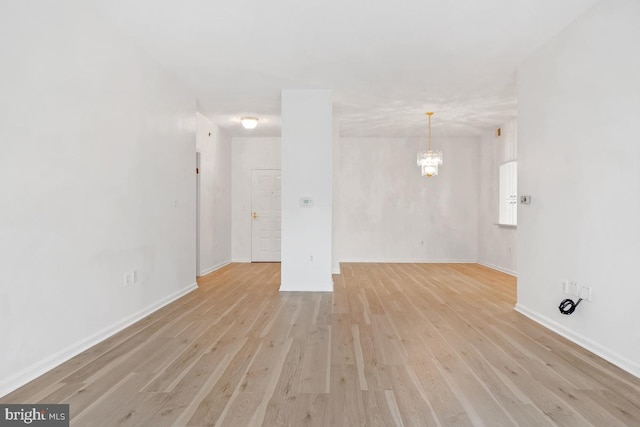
x=306, y=202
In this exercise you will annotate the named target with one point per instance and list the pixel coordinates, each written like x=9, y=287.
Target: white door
x=508, y=213
x=265, y=215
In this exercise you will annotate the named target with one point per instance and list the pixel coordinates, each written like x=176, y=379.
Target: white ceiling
x=387, y=62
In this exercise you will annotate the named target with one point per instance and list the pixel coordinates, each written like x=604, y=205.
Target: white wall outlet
x=310, y=257
x=127, y=279
x=585, y=293
x=565, y=286
x=573, y=289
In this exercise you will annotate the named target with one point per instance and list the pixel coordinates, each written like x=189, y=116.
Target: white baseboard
x=242, y=260
x=335, y=269
x=214, y=268
x=316, y=288
x=409, y=261
x=26, y=375
x=495, y=267
x=630, y=366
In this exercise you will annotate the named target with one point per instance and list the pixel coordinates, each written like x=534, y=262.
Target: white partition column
x=307, y=138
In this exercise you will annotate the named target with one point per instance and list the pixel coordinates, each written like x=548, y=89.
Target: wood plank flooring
x=393, y=345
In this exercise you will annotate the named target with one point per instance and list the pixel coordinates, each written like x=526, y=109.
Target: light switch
x=306, y=202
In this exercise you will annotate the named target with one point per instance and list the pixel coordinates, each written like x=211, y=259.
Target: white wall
x=214, y=146
x=497, y=245
x=390, y=213
x=307, y=140
x=97, y=156
x=247, y=154
x=579, y=150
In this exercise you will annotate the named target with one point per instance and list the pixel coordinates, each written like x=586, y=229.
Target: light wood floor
x=394, y=345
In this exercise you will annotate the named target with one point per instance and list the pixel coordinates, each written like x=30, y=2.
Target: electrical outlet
x=311, y=258
x=127, y=279
x=573, y=289
x=585, y=293
x=565, y=286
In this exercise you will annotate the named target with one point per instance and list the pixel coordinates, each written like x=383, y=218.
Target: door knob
x=255, y=215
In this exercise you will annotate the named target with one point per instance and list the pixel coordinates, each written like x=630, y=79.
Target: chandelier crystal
x=429, y=160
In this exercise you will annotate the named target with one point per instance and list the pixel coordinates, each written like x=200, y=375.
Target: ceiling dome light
x=249, y=122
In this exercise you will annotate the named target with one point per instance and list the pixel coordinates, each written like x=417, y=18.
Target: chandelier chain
x=429, y=115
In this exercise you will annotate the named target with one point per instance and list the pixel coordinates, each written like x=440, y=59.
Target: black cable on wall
x=567, y=306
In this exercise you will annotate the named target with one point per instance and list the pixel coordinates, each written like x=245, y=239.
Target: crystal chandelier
x=429, y=160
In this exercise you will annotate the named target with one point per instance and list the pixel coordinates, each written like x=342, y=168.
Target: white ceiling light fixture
x=429, y=160
x=249, y=122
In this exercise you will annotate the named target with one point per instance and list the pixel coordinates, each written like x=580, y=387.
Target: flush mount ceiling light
x=429, y=160
x=249, y=122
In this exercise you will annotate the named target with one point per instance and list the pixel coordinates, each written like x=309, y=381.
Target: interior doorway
x=265, y=215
